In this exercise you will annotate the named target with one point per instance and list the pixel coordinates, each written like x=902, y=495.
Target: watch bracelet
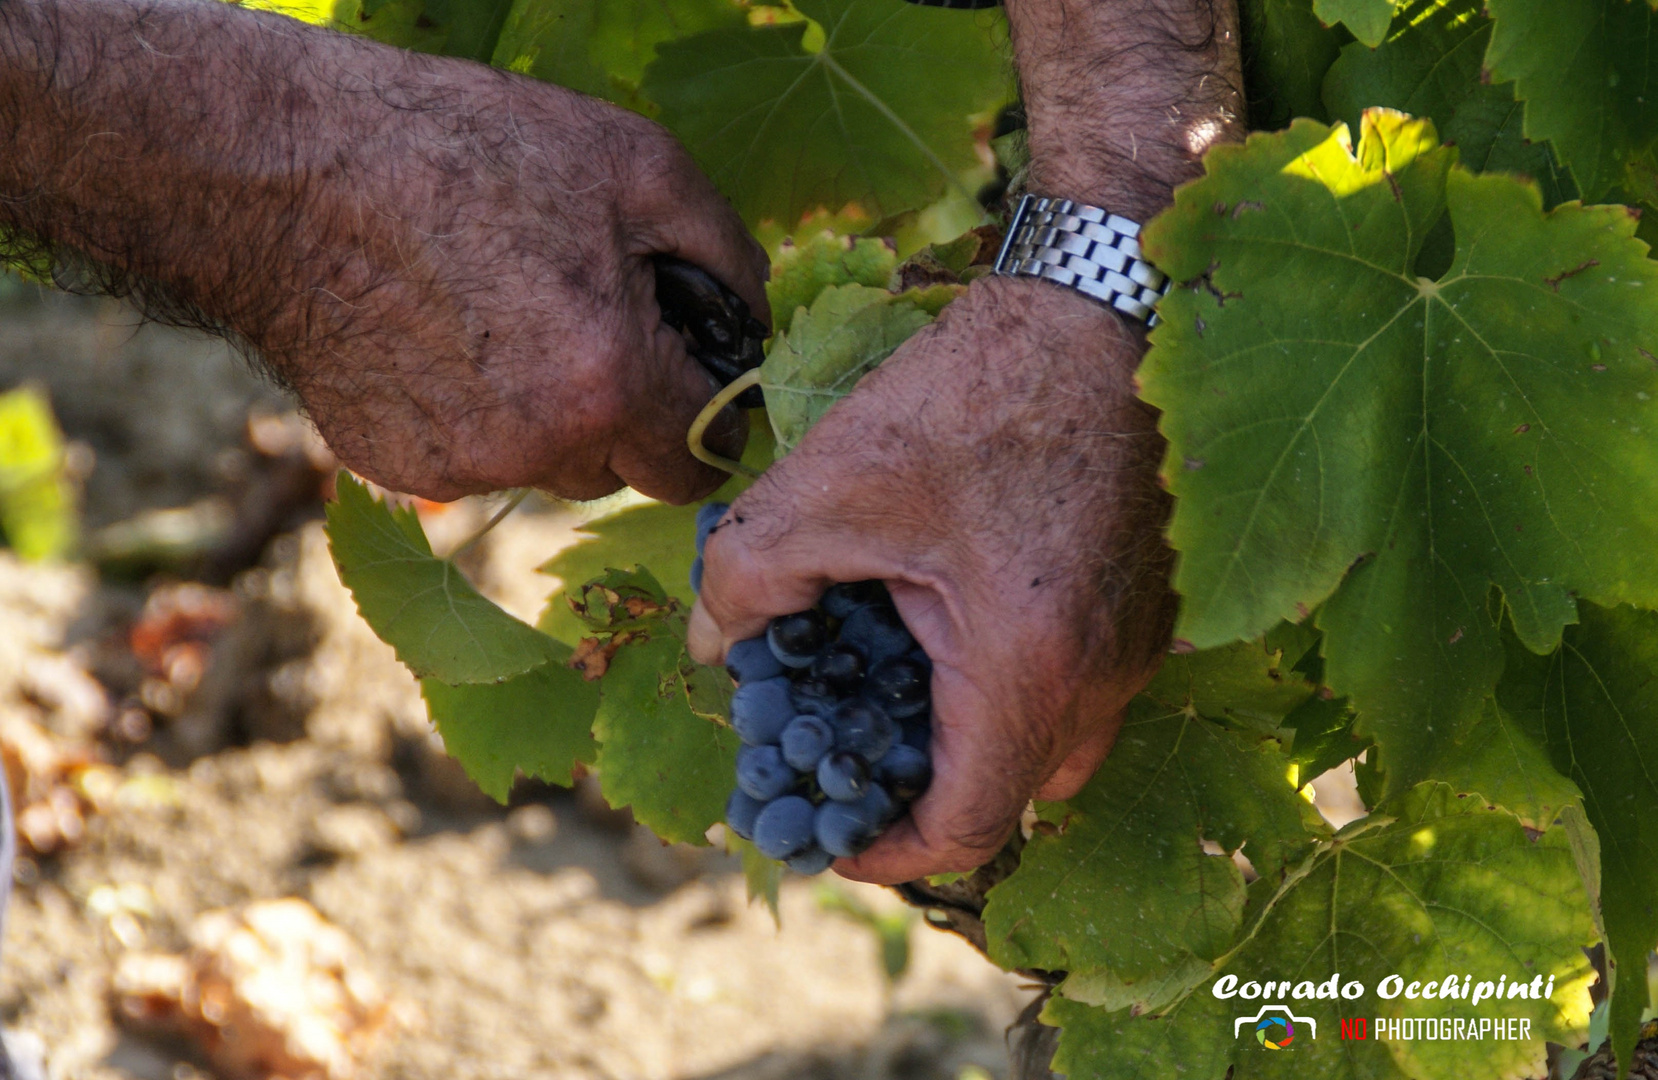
x=1085, y=248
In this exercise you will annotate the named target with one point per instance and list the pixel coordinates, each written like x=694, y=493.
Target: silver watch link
x=1085, y=248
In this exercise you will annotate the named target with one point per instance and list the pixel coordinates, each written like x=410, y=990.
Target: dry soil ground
x=262, y=743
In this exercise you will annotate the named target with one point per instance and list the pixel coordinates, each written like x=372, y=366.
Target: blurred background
x=242, y=851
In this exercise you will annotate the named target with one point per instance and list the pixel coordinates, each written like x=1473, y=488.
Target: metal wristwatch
x=1088, y=249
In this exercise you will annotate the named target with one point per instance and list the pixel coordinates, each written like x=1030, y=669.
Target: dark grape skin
x=785, y=827
x=696, y=574
x=863, y=728
x=841, y=600
x=843, y=777
x=917, y=735
x=904, y=771
x=813, y=697
x=900, y=686
x=846, y=829
x=708, y=517
x=761, y=710
x=812, y=861
x=752, y=661
x=740, y=811
x=795, y=639
x=805, y=742
x=878, y=631
x=839, y=666
x=763, y=774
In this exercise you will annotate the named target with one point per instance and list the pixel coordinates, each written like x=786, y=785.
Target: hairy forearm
x=1124, y=96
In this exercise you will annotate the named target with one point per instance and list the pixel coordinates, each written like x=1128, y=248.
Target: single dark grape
x=814, y=697
x=762, y=772
x=878, y=631
x=841, y=666
x=805, y=741
x=696, y=574
x=900, y=686
x=795, y=639
x=761, y=710
x=863, y=728
x=843, y=777
x=846, y=829
x=904, y=771
x=740, y=811
x=785, y=827
x=916, y=734
x=813, y=860
x=843, y=599
x=751, y=661
x=708, y=517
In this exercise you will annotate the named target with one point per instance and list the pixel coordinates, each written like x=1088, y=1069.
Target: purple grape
x=805, y=741
x=863, y=728
x=785, y=827
x=878, y=631
x=761, y=710
x=904, y=771
x=762, y=773
x=795, y=639
x=843, y=777
x=752, y=661
x=740, y=811
x=708, y=517
x=900, y=686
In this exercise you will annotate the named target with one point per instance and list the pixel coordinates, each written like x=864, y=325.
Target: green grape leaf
x=762, y=877
x=1334, y=419
x=879, y=114
x=1123, y=883
x=847, y=332
x=1436, y=887
x=1502, y=759
x=602, y=48
x=1597, y=701
x=1585, y=72
x=802, y=271
x=654, y=535
x=1286, y=51
x=673, y=767
x=539, y=722
x=1367, y=19
x=466, y=28
x=37, y=504
x=1323, y=729
x=440, y=626
x=1246, y=681
x=1431, y=66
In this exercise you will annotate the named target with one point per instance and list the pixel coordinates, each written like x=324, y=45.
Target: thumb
x=782, y=543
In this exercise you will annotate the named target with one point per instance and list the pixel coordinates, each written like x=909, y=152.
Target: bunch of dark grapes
x=833, y=707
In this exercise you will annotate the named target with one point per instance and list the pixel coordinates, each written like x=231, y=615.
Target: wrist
x=1123, y=97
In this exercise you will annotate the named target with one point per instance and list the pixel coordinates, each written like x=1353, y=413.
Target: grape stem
x=693, y=438
x=499, y=516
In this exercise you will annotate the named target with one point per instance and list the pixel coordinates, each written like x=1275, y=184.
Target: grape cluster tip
x=833, y=707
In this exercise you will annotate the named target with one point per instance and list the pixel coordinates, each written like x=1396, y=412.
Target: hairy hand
x=451, y=265
x=503, y=327
x=1000, y=476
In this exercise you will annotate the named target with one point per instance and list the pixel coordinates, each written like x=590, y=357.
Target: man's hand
x=450, y=264
x=999, y=474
